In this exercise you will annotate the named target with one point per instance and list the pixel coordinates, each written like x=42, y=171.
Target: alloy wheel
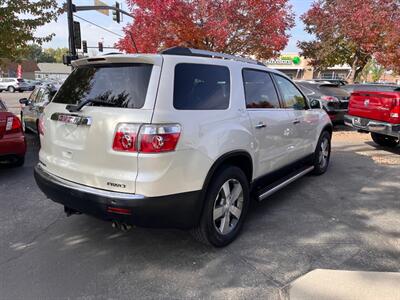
x=228, y=206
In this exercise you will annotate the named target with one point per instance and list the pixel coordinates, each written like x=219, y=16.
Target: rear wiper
x=75, y=108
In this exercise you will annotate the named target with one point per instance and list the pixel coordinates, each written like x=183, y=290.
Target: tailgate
x=78, y=146
x=372, y=105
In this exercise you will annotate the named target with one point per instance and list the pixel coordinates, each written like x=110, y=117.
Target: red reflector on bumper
x=118, y=210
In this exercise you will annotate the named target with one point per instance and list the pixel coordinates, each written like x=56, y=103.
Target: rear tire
x=226, y=203
x=322, y=153
x=384, y=140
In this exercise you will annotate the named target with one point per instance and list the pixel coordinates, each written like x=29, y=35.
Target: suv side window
x=259, y=89
x=201, y=87
x=290, y=94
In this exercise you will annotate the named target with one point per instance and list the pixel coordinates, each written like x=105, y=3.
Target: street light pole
x=71, y=36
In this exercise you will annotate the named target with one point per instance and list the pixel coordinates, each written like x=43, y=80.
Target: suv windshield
x=115, y=85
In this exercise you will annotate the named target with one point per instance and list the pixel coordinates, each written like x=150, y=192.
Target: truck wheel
x=384, y=140
x=11, y=89
x=226, y=204
x=322, y=153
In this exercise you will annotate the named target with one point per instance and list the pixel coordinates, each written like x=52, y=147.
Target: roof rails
x=205, y=53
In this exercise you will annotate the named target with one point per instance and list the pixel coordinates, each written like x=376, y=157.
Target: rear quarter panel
x=206, y=135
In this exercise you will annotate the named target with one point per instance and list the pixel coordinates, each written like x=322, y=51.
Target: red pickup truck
x=377, y=113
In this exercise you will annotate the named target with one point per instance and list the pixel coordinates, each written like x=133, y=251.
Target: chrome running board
x=276, y=187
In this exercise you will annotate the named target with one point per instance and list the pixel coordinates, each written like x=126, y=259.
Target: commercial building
x=10, y=69
x=52, y=71
x=297, y=67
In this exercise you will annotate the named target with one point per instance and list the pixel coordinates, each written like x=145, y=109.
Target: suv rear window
x=201, y=87
x=115, y=85
x=333, y=90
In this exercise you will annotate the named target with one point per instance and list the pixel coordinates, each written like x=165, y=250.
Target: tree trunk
x=353, y=71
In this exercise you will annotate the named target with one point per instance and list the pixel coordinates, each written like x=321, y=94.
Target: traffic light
x=116, y=13
x=84, y=46
x=100, y=47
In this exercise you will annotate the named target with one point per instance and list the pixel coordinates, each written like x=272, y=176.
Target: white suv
x=182, y=139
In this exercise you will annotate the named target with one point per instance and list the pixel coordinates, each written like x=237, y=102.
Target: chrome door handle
x=260, y=125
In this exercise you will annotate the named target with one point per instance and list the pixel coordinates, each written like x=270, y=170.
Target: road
x=347, y=219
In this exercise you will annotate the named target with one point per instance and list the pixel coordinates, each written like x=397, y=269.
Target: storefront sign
x=284, y=60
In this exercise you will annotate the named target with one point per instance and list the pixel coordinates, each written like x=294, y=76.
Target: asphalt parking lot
x=347, y=219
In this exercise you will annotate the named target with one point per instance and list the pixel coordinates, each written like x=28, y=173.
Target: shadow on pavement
x=347, y=219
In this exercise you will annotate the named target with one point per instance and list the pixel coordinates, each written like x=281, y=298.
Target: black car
x=333, y=99
x=337, y=81
x=373, y=87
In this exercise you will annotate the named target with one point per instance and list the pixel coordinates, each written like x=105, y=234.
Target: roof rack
x=205, y=53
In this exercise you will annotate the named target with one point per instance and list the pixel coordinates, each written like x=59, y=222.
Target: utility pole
x=71, y=36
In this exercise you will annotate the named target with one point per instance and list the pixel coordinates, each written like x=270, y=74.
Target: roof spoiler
x=205, y=53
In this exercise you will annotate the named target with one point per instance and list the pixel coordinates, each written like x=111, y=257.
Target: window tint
x=201, y=87
x=259, y=89
x=114, y=85
x=290, y=94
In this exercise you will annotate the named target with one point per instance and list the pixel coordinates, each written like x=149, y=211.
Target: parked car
x=370, y=87
x=33, y=106
x=377, y=113
x=15, y=84
x=12, y=139
x=336, y=81
x=178, y=139
x=332, y=98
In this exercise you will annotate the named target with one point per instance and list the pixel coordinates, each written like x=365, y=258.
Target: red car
x=12, y=139
x=377, y=113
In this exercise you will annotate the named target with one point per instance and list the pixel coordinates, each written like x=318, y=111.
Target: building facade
x=52, y=71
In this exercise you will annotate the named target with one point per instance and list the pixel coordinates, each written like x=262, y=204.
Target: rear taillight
x=329, y=98
x=159, y=138
x=125, y=138
x=13, y=125
x=41, y=125
x=155, y=138
x=395, y=109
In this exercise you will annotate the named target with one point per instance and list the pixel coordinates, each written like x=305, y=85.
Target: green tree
x=19, y=20
x=56, y=54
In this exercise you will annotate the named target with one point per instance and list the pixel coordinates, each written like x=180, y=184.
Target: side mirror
x=24, y=101
x=315, y=104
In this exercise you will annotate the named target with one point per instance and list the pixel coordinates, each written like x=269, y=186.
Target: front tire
x=322, y=153
x=11, y=89
x=225, y=209
x=384, y=140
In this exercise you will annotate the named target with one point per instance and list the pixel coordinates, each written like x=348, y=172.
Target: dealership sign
x=284, y=60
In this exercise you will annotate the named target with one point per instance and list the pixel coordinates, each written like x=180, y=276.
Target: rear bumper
x=373, y=126
x=13, y=145
x=174, y=211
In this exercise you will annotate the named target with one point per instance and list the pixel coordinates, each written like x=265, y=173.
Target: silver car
x=15, y=84
x=34, y=105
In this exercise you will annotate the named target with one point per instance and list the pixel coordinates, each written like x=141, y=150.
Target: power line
x=101, y=27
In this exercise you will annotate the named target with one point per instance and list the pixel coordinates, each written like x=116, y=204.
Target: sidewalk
x=325, y=284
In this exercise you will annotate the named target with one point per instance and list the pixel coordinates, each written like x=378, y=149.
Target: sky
x=93, y=34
